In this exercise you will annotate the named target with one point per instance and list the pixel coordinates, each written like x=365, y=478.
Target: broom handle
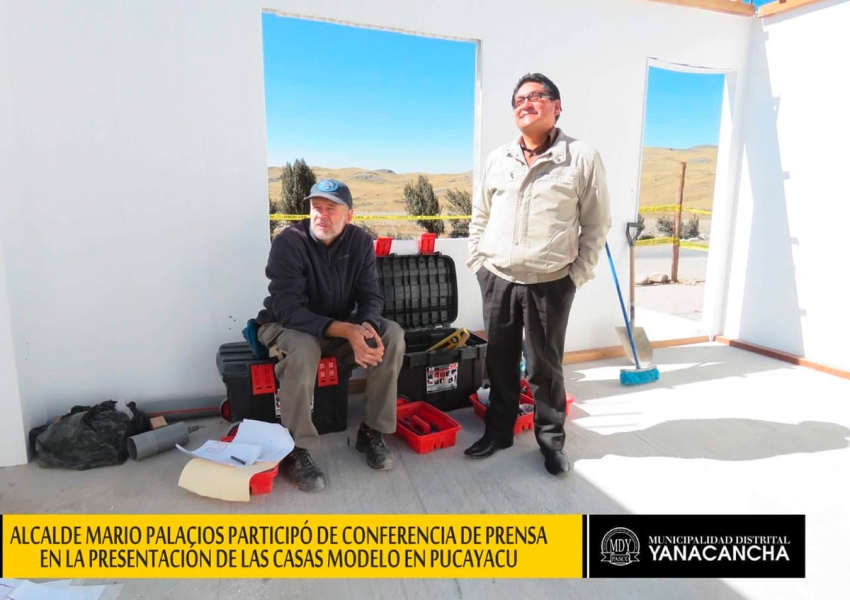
x=632, y=285
x=622, y=306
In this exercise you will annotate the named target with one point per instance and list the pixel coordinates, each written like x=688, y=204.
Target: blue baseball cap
x=331, y=189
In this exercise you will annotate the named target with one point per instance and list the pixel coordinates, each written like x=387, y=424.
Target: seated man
x=324, y=300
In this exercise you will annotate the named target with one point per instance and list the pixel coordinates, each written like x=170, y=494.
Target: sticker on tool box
x=439, y=379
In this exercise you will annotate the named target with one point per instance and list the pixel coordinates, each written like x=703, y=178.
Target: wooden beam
x=732, y=7
x=357, y=386
x=577, y=356
x=783, y=356
x=677, y=222
x=781, y=6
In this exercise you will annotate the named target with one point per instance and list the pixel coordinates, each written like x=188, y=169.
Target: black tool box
x=252, y=389
x=421, y=294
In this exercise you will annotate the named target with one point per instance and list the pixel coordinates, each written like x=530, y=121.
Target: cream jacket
x=544, y=222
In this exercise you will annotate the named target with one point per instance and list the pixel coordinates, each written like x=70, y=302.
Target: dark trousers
x=543, y=309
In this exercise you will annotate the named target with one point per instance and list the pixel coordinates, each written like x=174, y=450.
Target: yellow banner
x=292, y=546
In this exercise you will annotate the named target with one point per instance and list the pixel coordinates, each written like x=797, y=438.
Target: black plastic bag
x=89, y=437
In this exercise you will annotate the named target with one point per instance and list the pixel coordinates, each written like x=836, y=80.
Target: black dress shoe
x=485, y=447
x=556, y=462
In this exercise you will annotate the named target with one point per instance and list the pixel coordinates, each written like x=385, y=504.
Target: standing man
x=324, y=300
x=539, y=220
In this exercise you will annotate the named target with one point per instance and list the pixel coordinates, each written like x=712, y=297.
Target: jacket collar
x=556, y=152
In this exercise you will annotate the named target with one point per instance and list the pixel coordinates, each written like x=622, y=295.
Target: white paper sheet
x=224, y=452
x=7, y=586
x=59, y=583
x=35, y=591
x=62, y=589
x=274, y=439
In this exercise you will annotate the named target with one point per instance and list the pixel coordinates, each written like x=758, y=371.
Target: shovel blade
x=644, y=347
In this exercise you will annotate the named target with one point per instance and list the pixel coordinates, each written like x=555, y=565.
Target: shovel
x=642, y=344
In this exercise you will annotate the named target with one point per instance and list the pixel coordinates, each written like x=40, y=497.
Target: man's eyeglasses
x=533, y=97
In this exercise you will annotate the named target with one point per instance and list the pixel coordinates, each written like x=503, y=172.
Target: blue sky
x=682, y=109
x=341, y=96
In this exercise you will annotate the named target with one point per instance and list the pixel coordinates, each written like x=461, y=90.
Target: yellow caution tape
x=670, y=240
x=693, y=246
x=645, y=209
x=673, y=208
x=279, y=217
x=649, y=242
x=656, y=241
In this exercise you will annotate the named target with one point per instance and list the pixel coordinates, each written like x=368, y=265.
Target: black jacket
x=312, y=284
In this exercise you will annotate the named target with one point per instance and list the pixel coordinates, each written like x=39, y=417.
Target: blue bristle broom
x=637, y=375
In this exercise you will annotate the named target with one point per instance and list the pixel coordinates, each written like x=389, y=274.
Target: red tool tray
x=433, y=417
x=523, y=422
x=261, y=483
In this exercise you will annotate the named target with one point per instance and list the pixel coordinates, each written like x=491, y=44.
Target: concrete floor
x=722, y=431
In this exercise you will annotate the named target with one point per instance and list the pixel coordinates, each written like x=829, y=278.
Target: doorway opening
x=679, y=158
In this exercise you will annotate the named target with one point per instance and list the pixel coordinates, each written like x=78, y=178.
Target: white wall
x=787, y=290
x=13, y=442
x=135, y=240
x=135, y=236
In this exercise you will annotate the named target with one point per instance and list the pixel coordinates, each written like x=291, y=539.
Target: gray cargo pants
x=296, y=373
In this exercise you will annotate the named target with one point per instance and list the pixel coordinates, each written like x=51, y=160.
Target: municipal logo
x=620, y=547
x=328, y=185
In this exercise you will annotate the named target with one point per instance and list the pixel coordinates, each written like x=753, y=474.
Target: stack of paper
x=227, y=453
x=223, y=470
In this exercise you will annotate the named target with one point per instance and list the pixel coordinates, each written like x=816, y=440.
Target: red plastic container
x=261, y=483
x=446, y=427
x=523, y=422
x=526, y=389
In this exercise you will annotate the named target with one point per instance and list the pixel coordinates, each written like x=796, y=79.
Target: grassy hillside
x=380, y=192
x=659, y=179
